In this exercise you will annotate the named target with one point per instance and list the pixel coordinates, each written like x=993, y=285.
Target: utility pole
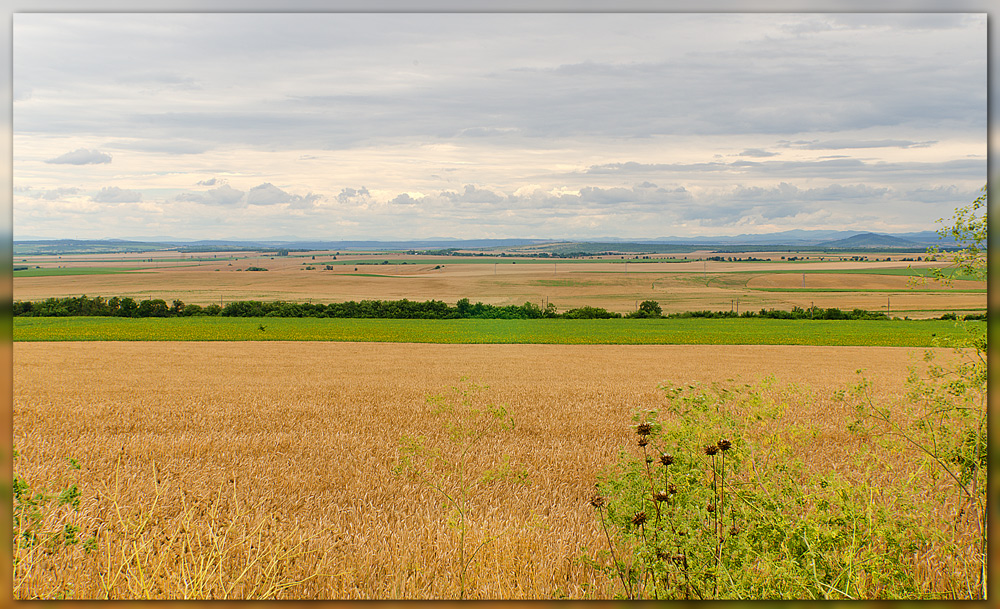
x=887, y=306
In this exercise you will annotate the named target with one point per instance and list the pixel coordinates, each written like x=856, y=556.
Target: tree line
x=82, y=306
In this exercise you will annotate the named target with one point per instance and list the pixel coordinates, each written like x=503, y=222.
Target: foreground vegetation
x=338, y=471
x=718, y=501
x=691, y=331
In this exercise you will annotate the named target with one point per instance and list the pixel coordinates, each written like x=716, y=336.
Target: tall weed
x=719, y=499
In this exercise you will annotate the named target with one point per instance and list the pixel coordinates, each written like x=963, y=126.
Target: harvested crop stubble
x=293, y=444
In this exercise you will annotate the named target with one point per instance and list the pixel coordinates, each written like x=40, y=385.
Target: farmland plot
x=609, y=283
x=274, y=464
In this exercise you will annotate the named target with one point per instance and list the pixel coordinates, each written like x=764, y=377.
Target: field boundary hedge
x=82, y=306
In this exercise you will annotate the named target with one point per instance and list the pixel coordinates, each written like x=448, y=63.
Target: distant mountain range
x=812, y=237
x=867, y=240
x=829, y=239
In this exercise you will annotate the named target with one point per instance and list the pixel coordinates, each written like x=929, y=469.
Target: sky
x=399, y=126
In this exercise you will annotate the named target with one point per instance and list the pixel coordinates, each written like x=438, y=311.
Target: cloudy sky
x=573, y=125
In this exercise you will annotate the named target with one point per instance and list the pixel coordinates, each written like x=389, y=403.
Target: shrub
x=714, y=501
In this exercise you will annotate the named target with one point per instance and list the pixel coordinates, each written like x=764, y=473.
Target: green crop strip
x=480, y=331
x=374, y=275
x=904, y=272
x=943, y=290
x=50, y=272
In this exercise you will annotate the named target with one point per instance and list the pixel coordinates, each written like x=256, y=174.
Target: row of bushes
x=397, y=309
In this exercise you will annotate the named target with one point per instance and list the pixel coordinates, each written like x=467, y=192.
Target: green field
x=903, y=272
x=541, y=331
x=80, y=270
x=880, y=291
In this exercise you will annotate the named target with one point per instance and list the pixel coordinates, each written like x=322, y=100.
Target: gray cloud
x=838, y=167
x=81, y=156
x=757, y=152
x=348, y=195
x=48, y=195
x=640, y=195
x=474, y=195
x=950, y=194
x=449, y=95
x=789, y=192
x=648, y=76
x=487, y=131
x=223, y=195
x=269, y=194
x=165, y=146
x=635, y=167
x=844, y=144
x=403, y=199
x=113, y=194
x=474, y=202
x=160, y=80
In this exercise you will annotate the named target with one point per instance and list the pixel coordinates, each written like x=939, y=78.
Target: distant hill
x=85, y=246
x=778, y=241
x=870, y=240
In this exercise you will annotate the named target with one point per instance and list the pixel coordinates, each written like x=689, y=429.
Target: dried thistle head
x=724, y=445
x=597, y=501
x=643, y=441
x=672, y=488
x=667, y=459
x=711, y=449
x=661, y=496
x=639, y=518
x=710, y=507
x=644, y=429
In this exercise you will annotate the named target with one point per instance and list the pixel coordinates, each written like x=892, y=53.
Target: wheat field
x=266, y=470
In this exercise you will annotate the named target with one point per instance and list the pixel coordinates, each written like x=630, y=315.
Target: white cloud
x=859, y=143
x=113, y=194
x=403, y=199
x=81, y=156
x=757, y=152
x=269, y=194
x=471, y=194
x=353, y=195
x=48, y=195
x=223, y=195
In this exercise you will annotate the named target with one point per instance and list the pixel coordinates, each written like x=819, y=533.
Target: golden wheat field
x=247, y=470
x=607, y=283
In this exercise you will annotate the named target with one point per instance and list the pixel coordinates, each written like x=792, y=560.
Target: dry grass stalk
x=273, y=460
